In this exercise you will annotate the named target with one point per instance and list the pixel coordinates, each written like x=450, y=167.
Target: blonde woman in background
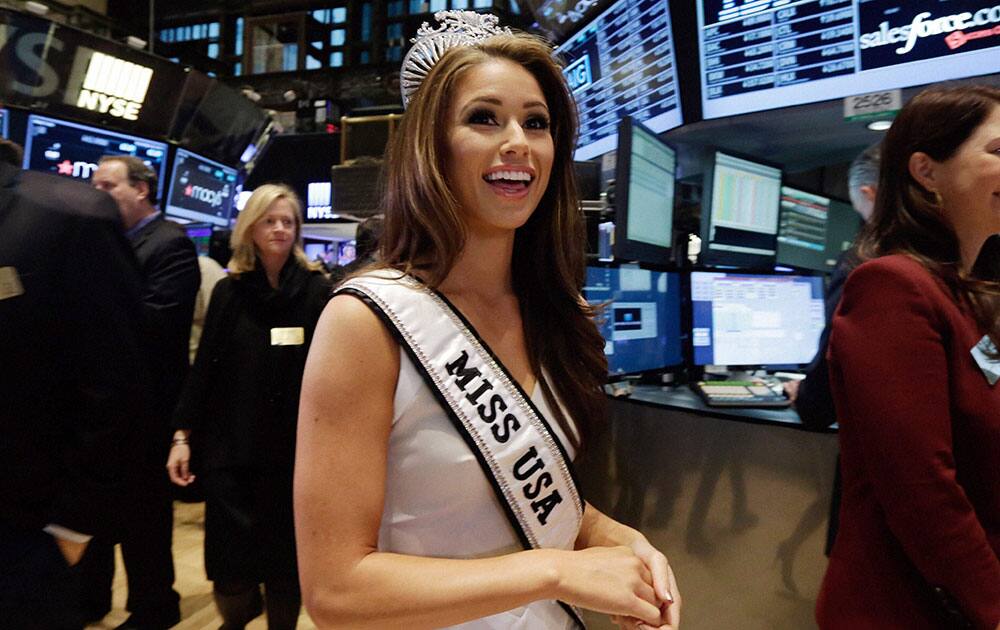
x=238, y=410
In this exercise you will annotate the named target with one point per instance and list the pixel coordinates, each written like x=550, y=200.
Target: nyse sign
x=65, y=72
x=107, y=85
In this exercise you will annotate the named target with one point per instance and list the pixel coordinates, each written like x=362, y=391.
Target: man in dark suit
x=72, y=381
x=169, y=265
x=812, y=396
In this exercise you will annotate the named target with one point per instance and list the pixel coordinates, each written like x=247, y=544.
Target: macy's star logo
x=189, y=190
x=65, y=168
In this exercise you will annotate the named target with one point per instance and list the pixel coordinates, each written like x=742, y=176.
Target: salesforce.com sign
x=901, y=31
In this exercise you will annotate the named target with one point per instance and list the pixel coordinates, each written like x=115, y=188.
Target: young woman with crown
x=449, y=387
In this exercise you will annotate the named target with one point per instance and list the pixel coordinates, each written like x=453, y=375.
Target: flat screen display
x=622, y=64
x=762, y=54
x=755, y=320
x=644, y=213
x=201, y=189
x=73, y=150
x=802, y=229
x=642, y=324
x=740, y=204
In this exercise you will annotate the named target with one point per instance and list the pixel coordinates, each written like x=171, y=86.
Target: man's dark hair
x=137, y=171
x=11, y=152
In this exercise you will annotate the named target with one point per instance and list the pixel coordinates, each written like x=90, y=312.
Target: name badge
x=990, y=367
x=295, y=336
x=10, y=283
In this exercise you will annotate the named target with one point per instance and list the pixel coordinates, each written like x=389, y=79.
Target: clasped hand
x=633, y=584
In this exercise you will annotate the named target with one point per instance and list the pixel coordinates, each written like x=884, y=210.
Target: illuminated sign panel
x=109, y=85
x=201, y=189
x=73, y=150
x=622, y=64
x=763, y=54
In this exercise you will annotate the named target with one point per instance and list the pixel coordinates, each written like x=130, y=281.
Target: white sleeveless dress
x=438, y=502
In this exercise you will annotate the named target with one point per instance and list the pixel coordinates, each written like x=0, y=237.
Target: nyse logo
x=206, y=195
x=109, y=85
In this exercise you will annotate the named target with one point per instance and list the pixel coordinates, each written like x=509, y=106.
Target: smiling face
x=274, y=233
x=969, y=181
x=499, y=147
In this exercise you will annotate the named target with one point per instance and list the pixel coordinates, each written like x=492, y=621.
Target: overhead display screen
x=72, y=150
x=762, y=54
x=622, y=64
x=201, y=189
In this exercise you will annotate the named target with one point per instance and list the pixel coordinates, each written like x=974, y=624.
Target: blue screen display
x=751, y=320
x=72, y=150
x=201, y=189
x=642, y=324
x=4, y=121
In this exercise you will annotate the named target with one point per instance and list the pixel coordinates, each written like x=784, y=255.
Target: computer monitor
x=641, y=325
x=588, y=179
x=802, y=229
x=347, y=252
x=739, y=212
x=4, y=122
x=201, y=189
x=755, y=320
x=758, y=55
x=622, y=64
x=201, y=235
x=73, y=150
x=644, y=195
x=842, y=229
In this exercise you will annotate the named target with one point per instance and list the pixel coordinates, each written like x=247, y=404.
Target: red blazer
x=920, y=456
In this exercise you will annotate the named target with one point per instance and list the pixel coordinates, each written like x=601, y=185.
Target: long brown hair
x=908, y=218
x=424, y=230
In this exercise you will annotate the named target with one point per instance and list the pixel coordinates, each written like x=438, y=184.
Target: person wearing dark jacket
x=169, y=264
x=238, y=412
x=72, y=382
x=812, y=397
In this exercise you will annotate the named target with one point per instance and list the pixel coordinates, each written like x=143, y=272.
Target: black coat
x=72, y=375
x=241, y=400
x=169, y=265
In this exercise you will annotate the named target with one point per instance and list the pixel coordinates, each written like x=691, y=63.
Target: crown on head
x=457, y=28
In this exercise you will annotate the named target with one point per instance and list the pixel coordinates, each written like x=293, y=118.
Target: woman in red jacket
x=914, y=376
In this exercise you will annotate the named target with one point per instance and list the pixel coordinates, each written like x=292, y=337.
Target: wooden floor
x=197, y=609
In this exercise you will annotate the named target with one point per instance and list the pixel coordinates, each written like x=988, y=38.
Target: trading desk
x=737, y=498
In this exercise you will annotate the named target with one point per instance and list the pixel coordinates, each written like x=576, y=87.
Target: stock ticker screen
x=762, y=54
x=201, y=189
x=622, y=64
x=73, y=150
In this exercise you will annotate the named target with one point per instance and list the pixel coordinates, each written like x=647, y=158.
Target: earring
x=938, y=201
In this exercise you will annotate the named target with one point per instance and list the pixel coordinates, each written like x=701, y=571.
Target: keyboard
x=740, y=394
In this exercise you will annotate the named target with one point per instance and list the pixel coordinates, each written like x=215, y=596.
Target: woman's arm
x=600, y=530
x=345, y=417
x=190, y=407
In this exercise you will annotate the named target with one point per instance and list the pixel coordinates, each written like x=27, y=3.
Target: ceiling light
x=36, y=7
x=880, y=125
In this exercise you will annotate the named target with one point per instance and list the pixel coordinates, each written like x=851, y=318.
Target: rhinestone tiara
x=457, y=28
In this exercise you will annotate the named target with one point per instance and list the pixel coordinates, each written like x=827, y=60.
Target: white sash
x=519, y=453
